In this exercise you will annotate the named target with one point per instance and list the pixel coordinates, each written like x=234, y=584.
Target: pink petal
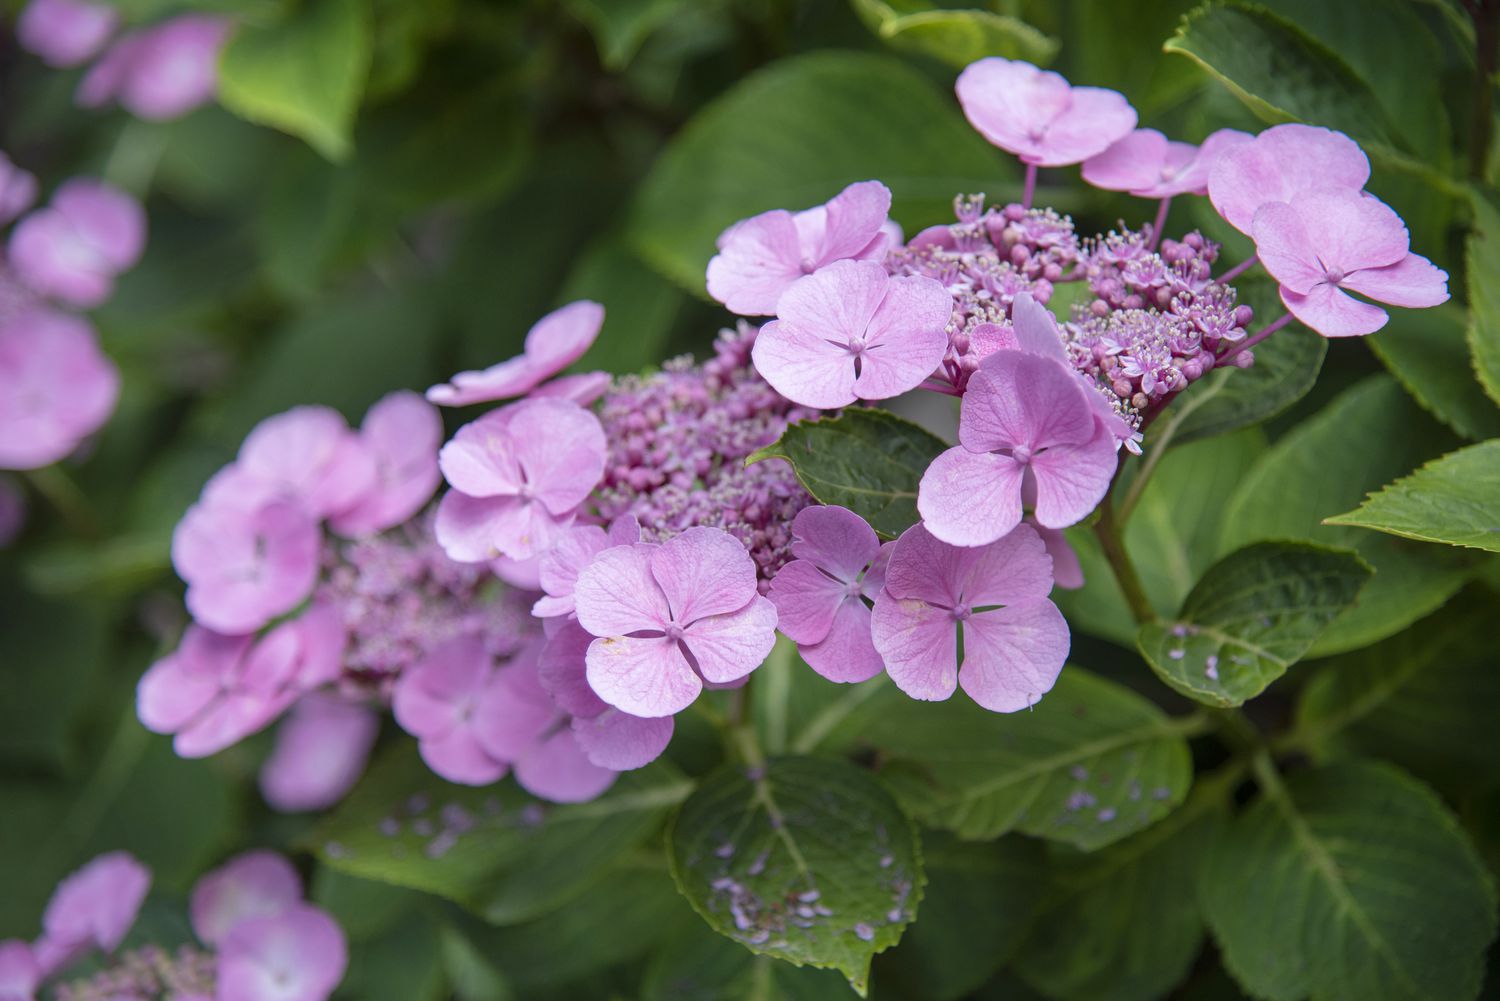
x=245, y=568
x=458, y=757
x=65, y=33
x=804, y=367
x=558, y=770
x=97, y=904
x=176, y=67
x=923, y=567
x=181, y=685
x=617, y=594
x=1071, y=479
x=919, y=644
x=1012, y=570
x=853, y=218
x=806, y=600
x=560, y=449
x=562, y=669
x=513, y=713
x=255, y=884
x=512, y=377
x=702, y=572
x=1334, y=313
x=476, y=529
x=401, y=433
x=562, y=337
x=56, y=387
x=19, y=972
x=112, y=222
x=430, y=697
x=1013, y=655
x=970, y=498
x=1036, y=331
x=1132, y=162
x=1285, y=248
x=1353, y=230
x=582, y=389
x=1176, y=176
x=1279, y=164
x=838, y=302
x=308, y=454
x=758, y=259
x=835, y=539
x=229, y=720
x=728, y=647
x=53, y=258
x=1095, y=118
x=481, y=458
x=524, y=574
x=621, y=742
x=560, y=566
x=321, y=751
x=1023, y=400
x=298, y=955
x=1413, y=281
x=1011, y=103
x=1193, y=178
x=644, y=677
x=906, y=338
x=1067, y=571
x=17, y=189
x=847, y=653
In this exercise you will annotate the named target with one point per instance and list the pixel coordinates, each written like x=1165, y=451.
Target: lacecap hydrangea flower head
x=541, y=595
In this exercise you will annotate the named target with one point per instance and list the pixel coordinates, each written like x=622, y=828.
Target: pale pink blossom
x=93, y=908
x=1038, y=115
x=19, y=974
x=560, y=566
x=306, y=455
x=65, y=33
x=401, y=435
x=759, y=258
x=299, y=954
x=252, y=885
x=1279, y=164
x=321, y=751
x=161, y=72
x=245, y=566
x=556, y=341
x=56, y=387
x=608, y=737
x=1148, y=165
x=73, y=249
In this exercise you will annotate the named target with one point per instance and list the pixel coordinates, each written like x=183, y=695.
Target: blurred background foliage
x=389, y=191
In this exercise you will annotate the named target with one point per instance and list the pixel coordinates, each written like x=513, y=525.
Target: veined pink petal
x=297, y=955
x=481, y=458
x=476, y=529
x=1072, y=479
x=758, y=258
x=1013, y=655
x=1413, y=281
x=643, y=677
x=1286, y=250
x=308, y=455
x=804, y=367
x=255, y=884
x=562, y=669
x=906, y=339
x=557, y=769
x=513, y=713
x=1036, y=331
x=1280, y=163
x=1332, y=312
x=560, y=449
x=1011, y=103
x=846, y=653
x=402, y=434
x=582, y=389
x=834, y=538
x=729, y=646
x=1025, y=401
x=1134, y=161
x=439, y=691
x=1095, y=118
x=837, y=302
x=561, y=565
x=1193, y=177
x=616, y=593
x=806, y=600
x=703, y=572
x=562, y=337
x=853, y=218
x=970, y=498
x=1012, y=570
x=621, y=742
x=1067, y=571
x=919, y=644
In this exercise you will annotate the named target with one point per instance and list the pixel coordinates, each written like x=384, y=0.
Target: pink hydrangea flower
x=91, y=909
x=852, y=332
x=1323, y=242
x=252, y=885
x=56, y=387
x=1279, y=164
x=401, y=434
x=17, y=190
x=161, y=72
x=437, y=701
x=1014, y=640
x=518, y=476
x=556, y=341
x=822, y=597
x=1038, y=115
x=65, y=33
x=668, y=618
x=560, y=566
x=245, y=566
x=321, y=751
x=759, y=258
x=73, y=249
x=608, y=737
x=216, y=690
x=1148, y=165
x=309, y=456
x=19, y=973
x=299, y=954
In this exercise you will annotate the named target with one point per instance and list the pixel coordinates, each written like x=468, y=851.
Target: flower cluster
x=257, y=939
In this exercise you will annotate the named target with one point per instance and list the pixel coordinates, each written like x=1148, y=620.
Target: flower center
x=673, y=632
x=809, y=265
x=961, y=612
x=853, y=589
x=1021, y=454
x=1333, y=276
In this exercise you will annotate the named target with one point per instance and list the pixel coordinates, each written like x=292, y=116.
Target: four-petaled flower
x=1279, y=164
x=1014, y=640
x=1038, y=115
x=56, y=386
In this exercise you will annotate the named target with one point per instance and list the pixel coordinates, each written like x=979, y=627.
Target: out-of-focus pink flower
x=65, y=33
x=91, y=909
x=759, y=258
x=19, y=973
x=852, y=332
x=1147, y=165
x=668, y=618
x=1279, y=164
x=437, y=701
x=556, y=341
x=321, y=751
x=17, y=190
x=518, y=475
x=299, y=954
x=255, y=884
x=1038, y=115
x=1014, y=640
x=820, y=596
x=401, y=434
x=245, y=566
x=161, y=72
x=73, y=249
x=216, y=690
x=306, y=455
x=56, y=387
x=1323, y=242
x=12, y=510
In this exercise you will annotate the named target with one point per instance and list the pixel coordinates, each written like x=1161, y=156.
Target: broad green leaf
x=792, y=136
x=699, y=964
x=1172, y=534
x=980, y=899
x=620, y=27
x=869, y=461
x=1252, y=616
x=496, y=850
x=1091, y=763
x=640, y=306
x=1122, y=924
x=1424, y=698
x=302, y=74
x=1482, y=259
x=1455, y=499
x=51, y=652
x=957, y=37
x=1351, y=881
x=806, y=859
x=364, y=908
x=400, y=964
x=1426, y=350
x=1364, y=438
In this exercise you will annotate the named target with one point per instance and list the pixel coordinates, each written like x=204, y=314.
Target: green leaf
x=1090, y=764
x=980, y=899
x=1252, y=616
x=957, y=37
x=51, y=652
x=620, y=27
x=869, y=461
x=641, y=306
x=521, y=857
x=1455, y=499
x=1352, y=881
x=400, y=964
x=1426, y=350
x=1364, y=438
x=303, y=74
x=793, y=135
x=1482, y=258
x=1122, y=924
x=806, y=859
x=1424, y=698
x=699, y=964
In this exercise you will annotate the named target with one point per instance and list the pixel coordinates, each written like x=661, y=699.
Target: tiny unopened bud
x=1243, y=315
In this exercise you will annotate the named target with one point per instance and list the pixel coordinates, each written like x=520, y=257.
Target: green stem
x=1236, y=730
x=1159, y=445
x=64, y=494
x=1113, y=546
